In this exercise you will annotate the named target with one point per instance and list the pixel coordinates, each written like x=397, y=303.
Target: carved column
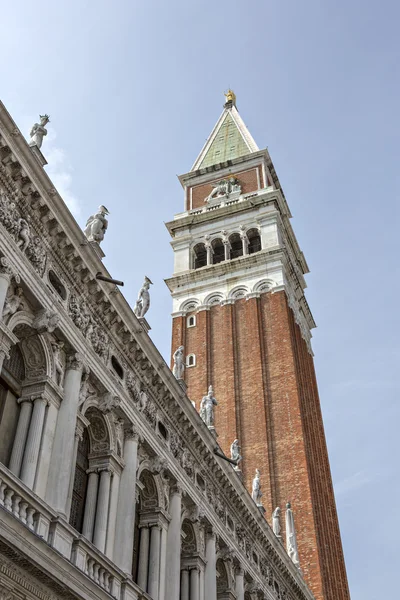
x=209, y=251
x=20, y=436
x=112, y=517
x=163, y=562
x=239, y=584
x=184, y=584
x=31, y=454
x=245, y=241
x=90, y=505
x=103, y=499
x=46, y=449
x=143, y=557
x=154, y=562
x=6, y=273
x=194, y=584
x=125, y=522
x=210, y=576
x=62, y=468
x=172, y=579
x=201, y=584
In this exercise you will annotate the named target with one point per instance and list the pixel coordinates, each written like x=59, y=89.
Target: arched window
x=219, y=251
x=254, y=240
x=236, y=245
x=12, y=376
x=200, y=256
x=191, y=360
x=191, y=321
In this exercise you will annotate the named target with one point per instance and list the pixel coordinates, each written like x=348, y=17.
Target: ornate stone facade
x=109, y=484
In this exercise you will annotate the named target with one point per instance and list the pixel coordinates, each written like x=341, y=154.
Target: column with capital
x=112, y=516
x=61, y=468
x=32, y=447
x=125, y=522
x=209, y=250
x=90, y=504
x=103, y=499
x=239, y=584
x=245, y=241
x=20, y=435
x=173, y=569
x=154, y=562
x=163, y=562
x=210, y=576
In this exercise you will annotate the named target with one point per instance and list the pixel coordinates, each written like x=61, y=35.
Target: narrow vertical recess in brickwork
x=324, y=507
x=196, y=343
x=253, y=432
x=222, y=374
x=290, y=460
x=262, y=316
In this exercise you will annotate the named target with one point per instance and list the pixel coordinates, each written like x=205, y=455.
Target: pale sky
x=133, y=89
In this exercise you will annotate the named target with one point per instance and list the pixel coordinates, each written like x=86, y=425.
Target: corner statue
x=38, y=131
x=179, y=363
x=143, y=302
x=207, y=408
x=96, y=225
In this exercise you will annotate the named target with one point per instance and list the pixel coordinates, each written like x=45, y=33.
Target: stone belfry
x=240, y=313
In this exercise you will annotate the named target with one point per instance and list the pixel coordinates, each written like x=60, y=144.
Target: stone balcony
x=34, y=533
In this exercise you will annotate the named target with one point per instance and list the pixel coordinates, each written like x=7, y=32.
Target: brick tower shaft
x=242, y=317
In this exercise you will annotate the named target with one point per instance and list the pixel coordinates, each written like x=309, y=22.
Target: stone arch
x=189, y=305
x=218, y=250
x=190, y=543
x=214, y=298
x=236, y=244
x=98, y=430
x=36, y=351
x=238, y=292
x=254, y=237
x=264, y=285
x=199, y=255
x=149, y=494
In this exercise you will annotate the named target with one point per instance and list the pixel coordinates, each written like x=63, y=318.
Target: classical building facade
x=111, y=485
x=240, y=313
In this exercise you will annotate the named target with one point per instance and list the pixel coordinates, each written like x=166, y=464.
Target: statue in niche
x=96, y=225
x=143, y=302
x=207, y=408
x=13, y=303
x=276, y=522
x=235, y=453
x=256, y=493
x=38, y=131
x=23, y=234
x=58, y=365
x=179, y=363
x=291, y=541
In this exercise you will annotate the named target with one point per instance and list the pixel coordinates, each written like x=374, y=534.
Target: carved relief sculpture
x=96, y=225
x=58, y=364
x=13, y=303
x=143, y=302
x=23, y=234
x=224, y=188
x=179, y=363
x=46, y=321
x=38, y=131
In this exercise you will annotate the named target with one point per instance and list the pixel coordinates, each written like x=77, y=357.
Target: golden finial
x=230, y=97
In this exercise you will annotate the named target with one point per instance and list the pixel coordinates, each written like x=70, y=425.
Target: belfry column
x=174, y=545
x=125, y=522
x=61, y=468
x=210, y=577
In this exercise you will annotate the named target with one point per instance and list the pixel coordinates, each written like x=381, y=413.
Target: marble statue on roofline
x=291, y=540
x=276, y=522
x=96, y=225
x=256, y=492
x=38, y=131
x=179, y=363
x=235, y=453
x=143, y=301
x=207, y=408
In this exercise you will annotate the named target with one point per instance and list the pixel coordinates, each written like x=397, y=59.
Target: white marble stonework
x=109, y=484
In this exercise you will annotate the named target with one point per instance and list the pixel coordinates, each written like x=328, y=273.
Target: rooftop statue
x=38, y=131
x=235, y=453
x=179, y=363
x=256, y=493
x=143, y=302
x=207, y=408
x=276, y=522
x=230, y=96
x=96, y=225
x=291, y=540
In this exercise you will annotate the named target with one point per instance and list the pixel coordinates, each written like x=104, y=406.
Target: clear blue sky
x=134, y=88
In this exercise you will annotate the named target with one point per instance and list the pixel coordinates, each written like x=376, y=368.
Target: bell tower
x=240, y=312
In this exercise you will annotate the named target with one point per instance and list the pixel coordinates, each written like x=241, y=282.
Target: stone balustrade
x=17, y=499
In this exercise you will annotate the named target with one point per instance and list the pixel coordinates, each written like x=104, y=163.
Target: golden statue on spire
x=230, y=96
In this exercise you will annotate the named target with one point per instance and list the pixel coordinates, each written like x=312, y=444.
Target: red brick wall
x=264, y=380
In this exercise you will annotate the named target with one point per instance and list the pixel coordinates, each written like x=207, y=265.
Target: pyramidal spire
x=229, y=139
